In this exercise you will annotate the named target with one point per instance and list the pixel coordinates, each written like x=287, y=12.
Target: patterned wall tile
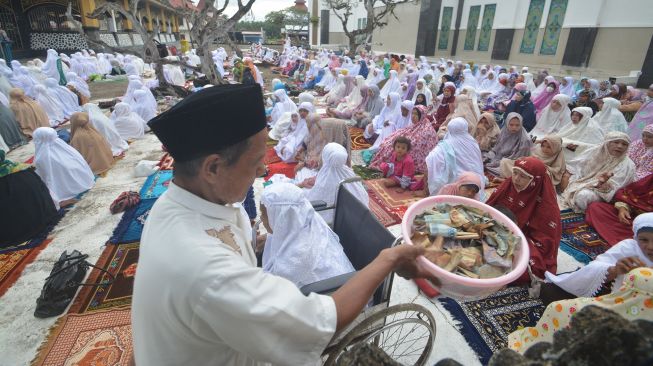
x=58, y=41
x=124, y=39
x=486, y=27
x=138, y=41
x=553, y=27
x=472, y=25
x=532, y=27
x=443, y=41
x=109, y=39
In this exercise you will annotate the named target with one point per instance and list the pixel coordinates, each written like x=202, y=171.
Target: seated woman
x=613, y=221
x=309, y=153
x=444, y=104
x=610, y=118
x=60, y=166
x=464, y=109
x=607, y=272
x=522, y=105
x=554, y=117
x=598, y=173
x=28, y=113
x=87, y=140
x=327, y=82
x=143, y=109
x=337, y=92
x=585, y=100
x=641, y=153
x=487, y=132
x=458, y=152
x=350, y=110
x=390, y=112
x=530, y=196
x=422, y=136
x=289, y=144
x=106, y=128
x=80, y=87
x=334, y=170
x=32, y=207
x=352, y=99
x=50, y=105
x=282, y=105
x=543, y=99
x=300, y=246
x=66, y=99
x=373, y=106
x=643, y=117
x=632, y=301
x=581, y=134
x=549, y=151
x=467, y=185
x=9, y=130
x=422, y=89
x=129, y=125
x=513, y=143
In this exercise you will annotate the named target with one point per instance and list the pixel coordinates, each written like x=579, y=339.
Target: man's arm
x=352, y=297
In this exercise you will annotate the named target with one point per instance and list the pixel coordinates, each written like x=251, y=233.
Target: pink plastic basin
x=460, y=287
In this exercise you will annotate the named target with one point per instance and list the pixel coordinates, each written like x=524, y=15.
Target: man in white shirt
x=199, y=298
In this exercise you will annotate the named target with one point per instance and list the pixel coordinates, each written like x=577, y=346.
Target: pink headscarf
x=335, y=62
x=464, y=178
x=543, y=100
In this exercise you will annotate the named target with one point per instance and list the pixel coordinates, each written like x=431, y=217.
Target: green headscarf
x=8, y=167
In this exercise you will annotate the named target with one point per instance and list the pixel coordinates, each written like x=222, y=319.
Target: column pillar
x=126, y=24
x=164, y=24
x=86, y=7
x=149, y=16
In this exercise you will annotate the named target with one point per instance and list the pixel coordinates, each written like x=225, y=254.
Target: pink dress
x=401, y=171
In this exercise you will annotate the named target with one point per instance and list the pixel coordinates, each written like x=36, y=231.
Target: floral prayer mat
x=156, y=184
x=583, y=243
x=271, y=156
x=166, y=162
x=387, y=205
x=358, y=142
x=119, y=260
x=101, y=338
x=131, y=224
x=486, y=323
x=14, y=262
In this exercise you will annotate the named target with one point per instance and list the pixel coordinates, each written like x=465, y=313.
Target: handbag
x=124, y=201
x=61, y=286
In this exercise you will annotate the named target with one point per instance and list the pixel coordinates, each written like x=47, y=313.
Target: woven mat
x=156, y=184
x=119, y=260
x=486, y=323
x=131, y=224
x=13, y=263
x=358, y=142
x=387, y=205
x=583, y=243
x=101, y=338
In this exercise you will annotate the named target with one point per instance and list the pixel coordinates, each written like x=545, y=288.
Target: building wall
x=400, y=34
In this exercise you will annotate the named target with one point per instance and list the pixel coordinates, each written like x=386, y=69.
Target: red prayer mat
x=287, y=169
x=13, y=263
x=358, y=142
x=271, y=156
x=387, y=205
x=100, y=338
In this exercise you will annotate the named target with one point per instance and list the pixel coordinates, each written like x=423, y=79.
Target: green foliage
x=276, y=20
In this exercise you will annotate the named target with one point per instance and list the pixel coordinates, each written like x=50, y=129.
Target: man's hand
x=404, y=258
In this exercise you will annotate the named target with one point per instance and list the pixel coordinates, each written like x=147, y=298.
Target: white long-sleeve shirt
x=199, y=298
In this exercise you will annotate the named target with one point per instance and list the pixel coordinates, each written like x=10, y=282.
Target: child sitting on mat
x=400, y=170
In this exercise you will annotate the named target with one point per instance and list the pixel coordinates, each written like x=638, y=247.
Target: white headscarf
x=337, y=92
x=174, y=75
x=355, y=98
x=50, y=105
x=380, y=76
x=424, y=90
x=50, y=66
x=23, y=79
x=63, y=170
x=333, y=171
x=550, y=121
x=141, y=107
x=470, y=80
x=283, y=105
x=586, y=133
x=488, y=86
x=302, y=247
x=458, y=152
x=327, y=81
x=79, y=84
x=389, y=112
x=473, y=96
x=568, y=89
x=528, y=80
x=392, y=85
x=404, y=121
x=610, y=117
x=106, y=128
x=67, y=100
x=128, y=124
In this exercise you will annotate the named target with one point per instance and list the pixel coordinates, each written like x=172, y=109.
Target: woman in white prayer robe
x=392, y=85
x=610, y=117
x=53, y=65
x=581, y=134
x=289, y=145
x=5, y=75
x=554, y=117
x=79, y=84
x=469, y=79
x=377, y=76
x=174, y=75
x=61, y=167
x=337, y=92
x=283, y=105
x=333, y=171
x=50, y=105
x=23, y=79
x=67, y=100
x=354, y=98
x=106, y=128
x=390, y=112
x=421, y=88
x=129, y=125
x=599, y=172
x=142, y=107
x=603, y=271
x=300, y=246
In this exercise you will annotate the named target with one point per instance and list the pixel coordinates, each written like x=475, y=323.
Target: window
x=50, y=18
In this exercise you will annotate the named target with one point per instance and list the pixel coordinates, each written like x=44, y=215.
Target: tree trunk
x=352, y=46
x=233, y=46
x=208, y=66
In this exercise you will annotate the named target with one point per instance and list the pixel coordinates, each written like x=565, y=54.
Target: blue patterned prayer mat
x=130, y=227
x=486, y=323
x=156, y=184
